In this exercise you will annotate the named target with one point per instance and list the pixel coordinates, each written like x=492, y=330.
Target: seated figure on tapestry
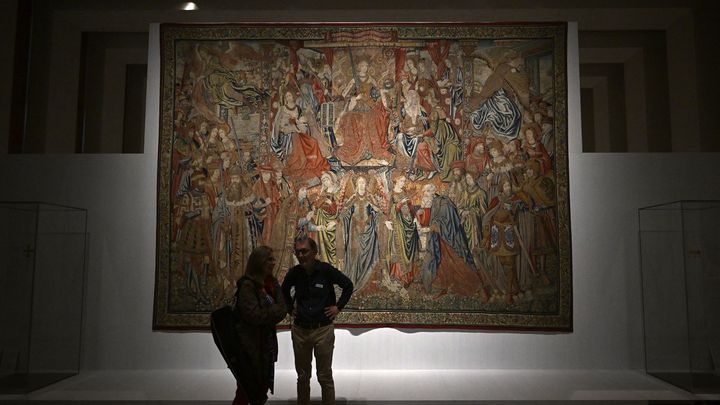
x=503, y=98
x=292, y=143
x=413, y=137
x=361, y=128
x=447, y=145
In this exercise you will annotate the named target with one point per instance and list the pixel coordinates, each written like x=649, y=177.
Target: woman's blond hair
x=257, y=260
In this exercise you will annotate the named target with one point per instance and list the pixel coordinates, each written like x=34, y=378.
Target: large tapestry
x=428, y=161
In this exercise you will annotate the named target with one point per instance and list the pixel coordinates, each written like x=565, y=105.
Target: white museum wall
x=119, y=192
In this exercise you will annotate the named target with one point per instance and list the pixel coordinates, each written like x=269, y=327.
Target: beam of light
x=189, y=6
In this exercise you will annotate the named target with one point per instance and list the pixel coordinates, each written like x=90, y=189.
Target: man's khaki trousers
x=321, y=341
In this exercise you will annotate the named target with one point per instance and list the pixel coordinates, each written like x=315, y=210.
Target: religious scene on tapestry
x=425, y=169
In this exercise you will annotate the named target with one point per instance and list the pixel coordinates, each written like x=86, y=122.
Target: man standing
x=314, y=307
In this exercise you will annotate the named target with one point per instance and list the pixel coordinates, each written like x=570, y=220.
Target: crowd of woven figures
x=426, y=175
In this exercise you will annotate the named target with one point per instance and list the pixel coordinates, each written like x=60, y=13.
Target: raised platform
x=369, y=386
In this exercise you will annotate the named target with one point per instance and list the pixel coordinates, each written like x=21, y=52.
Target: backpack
x=222, y=326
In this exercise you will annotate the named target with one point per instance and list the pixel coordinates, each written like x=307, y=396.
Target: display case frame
x=680, y=266
x=43, y=258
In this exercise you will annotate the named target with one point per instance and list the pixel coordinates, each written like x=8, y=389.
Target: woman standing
x=258, y=308
x=362, y=246
x=326, y=217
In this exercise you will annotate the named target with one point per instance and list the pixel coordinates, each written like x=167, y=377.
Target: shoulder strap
x=241, y=280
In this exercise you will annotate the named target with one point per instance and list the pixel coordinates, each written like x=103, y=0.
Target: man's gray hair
x=304, y=237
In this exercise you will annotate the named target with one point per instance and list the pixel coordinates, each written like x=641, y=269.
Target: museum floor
x=370, y=387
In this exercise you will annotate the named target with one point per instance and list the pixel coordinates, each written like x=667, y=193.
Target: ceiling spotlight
x=188, y=6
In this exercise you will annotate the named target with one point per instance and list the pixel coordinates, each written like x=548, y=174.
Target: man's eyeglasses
x=302, y=251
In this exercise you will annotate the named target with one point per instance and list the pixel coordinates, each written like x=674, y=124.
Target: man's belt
x=311, y=325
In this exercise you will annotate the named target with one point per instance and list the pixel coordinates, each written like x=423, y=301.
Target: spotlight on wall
x=188, y=6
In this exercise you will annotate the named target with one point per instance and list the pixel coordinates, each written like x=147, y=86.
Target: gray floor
x=370, y=387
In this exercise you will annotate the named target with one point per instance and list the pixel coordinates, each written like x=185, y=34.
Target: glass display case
x=680, y=263
x=42, y=288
